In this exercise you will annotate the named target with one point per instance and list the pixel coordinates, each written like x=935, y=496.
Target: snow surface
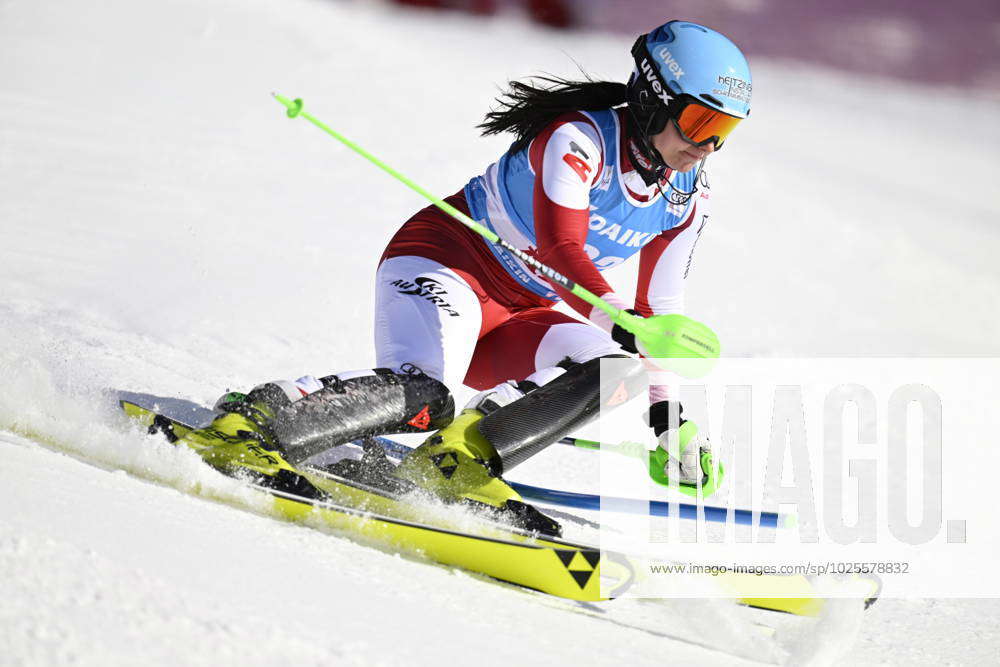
x=165, y=229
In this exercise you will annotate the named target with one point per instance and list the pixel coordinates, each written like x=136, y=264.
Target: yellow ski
x=552, y=566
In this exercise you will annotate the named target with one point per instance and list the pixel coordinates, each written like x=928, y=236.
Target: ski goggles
x=699, y=125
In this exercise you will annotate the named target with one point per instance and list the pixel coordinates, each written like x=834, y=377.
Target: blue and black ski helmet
x=682, y=63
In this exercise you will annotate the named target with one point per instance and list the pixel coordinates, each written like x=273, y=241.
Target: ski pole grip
x=675, y=342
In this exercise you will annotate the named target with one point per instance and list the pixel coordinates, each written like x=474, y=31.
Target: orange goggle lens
x=699, y=124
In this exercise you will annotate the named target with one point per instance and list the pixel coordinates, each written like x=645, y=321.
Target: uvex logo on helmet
x=668, y=59
x=654, y=82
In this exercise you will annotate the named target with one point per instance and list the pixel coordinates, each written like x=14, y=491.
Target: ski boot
x=505, y=426
x=694, y=460
x=240, y=441
x=280, y=425
x=458, y=464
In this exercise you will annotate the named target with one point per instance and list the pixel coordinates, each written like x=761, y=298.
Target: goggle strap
x=653, y=155
x=639, y=53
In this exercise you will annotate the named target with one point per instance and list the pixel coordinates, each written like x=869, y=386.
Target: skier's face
x=678, y=153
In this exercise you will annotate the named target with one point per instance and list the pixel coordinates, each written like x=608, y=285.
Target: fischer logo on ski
x=446, y=462
x=581, y=564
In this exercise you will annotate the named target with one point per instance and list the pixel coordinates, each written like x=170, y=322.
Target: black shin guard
x=543, y=416
x=346, y=409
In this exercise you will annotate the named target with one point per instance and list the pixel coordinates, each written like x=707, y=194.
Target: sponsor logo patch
x=575, y=147
x=429, y=289
x=422, y=419
x=581, y=168
x=663, y=53
x=734, y=88
x=654, y=82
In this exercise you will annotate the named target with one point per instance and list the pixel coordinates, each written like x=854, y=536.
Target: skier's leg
x=282, y=423
x=511, y=431
x=555, y=361
x=427, y=315
x=531, y=341
x=427, y=320
x=559, y=390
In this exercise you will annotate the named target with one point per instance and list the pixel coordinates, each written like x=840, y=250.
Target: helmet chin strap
x=655, y=175
x=679, y=197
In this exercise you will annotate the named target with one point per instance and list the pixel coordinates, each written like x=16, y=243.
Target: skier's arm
x=664, y=264
x=567, y=161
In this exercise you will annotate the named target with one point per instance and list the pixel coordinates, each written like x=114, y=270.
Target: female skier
x=599, y=171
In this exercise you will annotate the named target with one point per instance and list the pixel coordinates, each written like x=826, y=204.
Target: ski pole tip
x=294, y=107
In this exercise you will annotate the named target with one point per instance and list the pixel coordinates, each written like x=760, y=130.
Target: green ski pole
x=690, y=345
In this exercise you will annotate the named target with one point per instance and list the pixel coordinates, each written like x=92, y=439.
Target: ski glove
x=625, y=338
x=659, y=416
x=691, y=448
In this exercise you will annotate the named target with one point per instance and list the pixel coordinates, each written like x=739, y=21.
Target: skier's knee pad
x=363, y=403
x=542, y=416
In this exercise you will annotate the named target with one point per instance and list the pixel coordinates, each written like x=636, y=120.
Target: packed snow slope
x=165, y=229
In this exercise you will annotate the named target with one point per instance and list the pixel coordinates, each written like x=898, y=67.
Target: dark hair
x=527, y=108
